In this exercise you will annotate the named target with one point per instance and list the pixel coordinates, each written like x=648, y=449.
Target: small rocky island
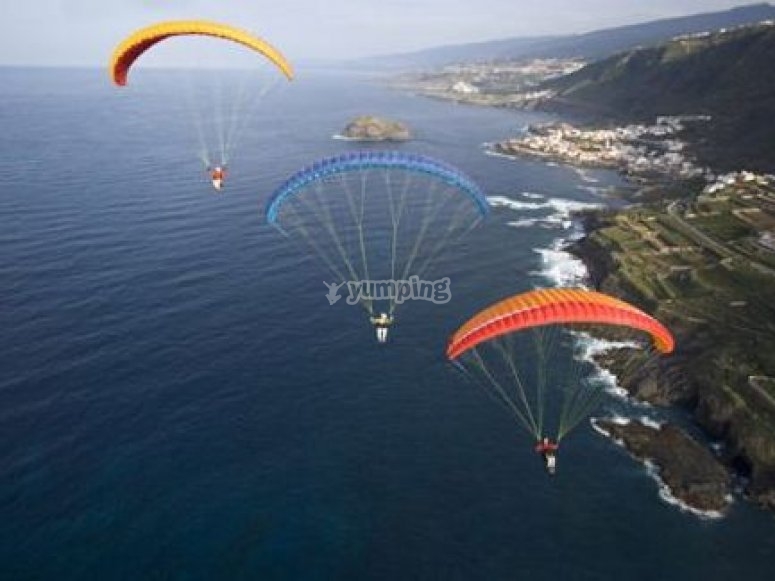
x=371, y=128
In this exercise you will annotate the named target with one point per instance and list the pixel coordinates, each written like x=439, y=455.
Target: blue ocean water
x=179, y=401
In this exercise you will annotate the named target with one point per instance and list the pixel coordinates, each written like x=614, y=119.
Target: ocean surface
x=179, y=401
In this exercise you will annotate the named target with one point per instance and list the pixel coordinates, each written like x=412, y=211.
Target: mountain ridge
x=590, y=45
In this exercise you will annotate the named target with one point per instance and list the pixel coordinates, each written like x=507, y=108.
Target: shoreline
x=561, y=266
x=707, y=394
x=654, y=471
x=681, y=382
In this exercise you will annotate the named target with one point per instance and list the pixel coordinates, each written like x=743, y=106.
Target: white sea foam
x=650, y=422
x=666, y=494
x=620, y=420
x=611, y=383
x=598, y=429
x=516, y=205
x=560, y=267
x=533, y=196
x=563, y=210
x=526, y=223
x=553, y=222
x=492, y=153
x=568, y=207
x=558, y=211
x=615, y=419
x=588, y=347
x=594, y=190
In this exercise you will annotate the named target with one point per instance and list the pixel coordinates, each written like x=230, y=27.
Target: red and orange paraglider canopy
x=512, y=350
x=555, y=306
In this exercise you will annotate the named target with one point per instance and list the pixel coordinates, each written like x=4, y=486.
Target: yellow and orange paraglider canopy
x=130, y=49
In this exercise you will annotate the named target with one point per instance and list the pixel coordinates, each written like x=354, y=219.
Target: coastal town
x=493, y=84
x=636, y=149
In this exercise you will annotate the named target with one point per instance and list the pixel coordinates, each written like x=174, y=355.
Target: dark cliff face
x=597, y=260
x=750, y=443
x=703, y=376
x=649, y=378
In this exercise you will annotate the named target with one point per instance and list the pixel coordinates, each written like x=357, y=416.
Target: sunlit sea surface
x=179, y=401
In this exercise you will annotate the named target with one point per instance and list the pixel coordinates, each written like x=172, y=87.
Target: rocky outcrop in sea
x=691, y=474
x=371, y=128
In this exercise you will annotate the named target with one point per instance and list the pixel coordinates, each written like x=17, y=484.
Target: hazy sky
x=84, y=32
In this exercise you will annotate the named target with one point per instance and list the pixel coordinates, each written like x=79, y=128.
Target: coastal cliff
x=718, y=310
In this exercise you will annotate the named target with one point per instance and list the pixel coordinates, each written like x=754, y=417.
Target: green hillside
x=727, y=75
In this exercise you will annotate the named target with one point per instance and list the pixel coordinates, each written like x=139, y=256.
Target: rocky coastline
x=706, y=376
x=690, y=472
x=697, y=252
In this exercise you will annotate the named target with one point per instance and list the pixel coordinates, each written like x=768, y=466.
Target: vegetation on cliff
x=705, y=269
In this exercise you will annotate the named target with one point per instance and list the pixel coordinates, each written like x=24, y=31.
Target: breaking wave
x=559, y=267
x=554, y=212
x=666, y=494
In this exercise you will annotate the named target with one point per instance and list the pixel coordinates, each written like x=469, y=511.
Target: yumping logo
x=397, y=291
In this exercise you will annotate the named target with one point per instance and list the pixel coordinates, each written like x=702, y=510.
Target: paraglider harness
x=548, y=450
x=381, y=322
